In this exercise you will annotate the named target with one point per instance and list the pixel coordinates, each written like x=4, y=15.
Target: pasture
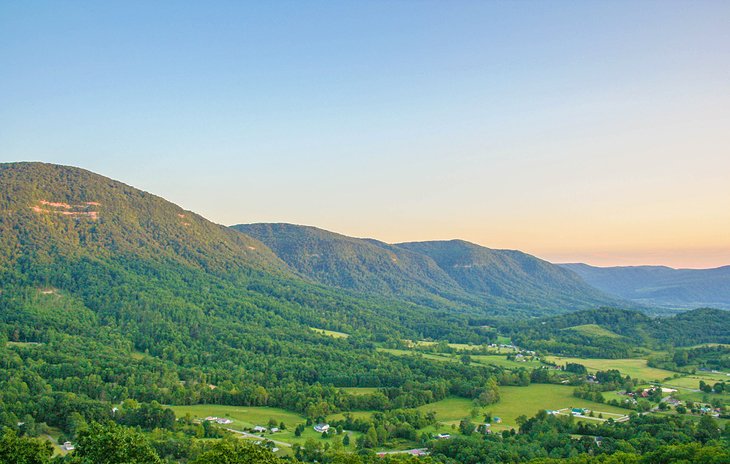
x=245, y=417
x=480, y=359
x=593, y=330
x=502, y=361
x=635, y=367
x=359, y=390
x=517, y=401
x=329, y=333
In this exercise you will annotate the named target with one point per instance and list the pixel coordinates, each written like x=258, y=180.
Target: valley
x=137, y=324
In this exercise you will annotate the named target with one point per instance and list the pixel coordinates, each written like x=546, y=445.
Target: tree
x=23, y=450
x=707, y=429
x=370, y=439
x=233, y=451
x=466, y=427
x=346, y=439
x=113, y=444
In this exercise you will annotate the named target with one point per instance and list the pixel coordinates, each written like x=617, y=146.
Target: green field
x=594, y=330
x=486, y=360
x=456, y=346
x=359, y=390
x=636, y=368
x=23, y=344
x=450, y=410
x=244, y=417
x=330, y=333
x=514, y=402
x=692, y=381
x=502, y=361
x=433, y=356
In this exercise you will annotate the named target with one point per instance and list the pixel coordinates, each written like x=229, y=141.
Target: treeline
x=635, y=332
x=545, y=438
x=690, y=360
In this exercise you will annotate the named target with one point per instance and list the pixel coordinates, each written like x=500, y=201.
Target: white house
x=68, y=446
x=259, y=429
x=322, y=428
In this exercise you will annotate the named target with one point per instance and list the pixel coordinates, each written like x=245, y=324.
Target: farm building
x=322, y=428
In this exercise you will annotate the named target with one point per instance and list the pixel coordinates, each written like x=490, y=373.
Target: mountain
x=455, y=273
x=109, y=293
x=356, y=264
x=510, y=276
x=90, y=258
x=660, y=285
x=56, y=211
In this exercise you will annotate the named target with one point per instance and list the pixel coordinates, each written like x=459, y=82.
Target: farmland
x=247, y=417
x=594, y=330
x=634, y=367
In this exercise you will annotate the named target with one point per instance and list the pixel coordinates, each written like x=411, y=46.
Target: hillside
x=357, y=264
x=618, y=333
x=510, y=277
x=53, y=211
x=108, y=293
x=660, y=285
x=456, y=273
x=87, y=257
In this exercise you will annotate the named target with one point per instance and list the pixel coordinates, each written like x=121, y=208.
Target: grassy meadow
x=635, y=367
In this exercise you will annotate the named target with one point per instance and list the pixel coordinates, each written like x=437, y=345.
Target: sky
x=584, y=131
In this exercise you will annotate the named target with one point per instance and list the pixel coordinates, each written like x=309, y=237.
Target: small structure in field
x=322, y=428
x=68, y=446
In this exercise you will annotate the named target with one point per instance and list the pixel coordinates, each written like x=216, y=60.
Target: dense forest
x=454, y=274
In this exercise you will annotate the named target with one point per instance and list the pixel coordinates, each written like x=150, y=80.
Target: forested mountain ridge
x=660, y=285
x=511, y=275
x=89, y=258
x=469, y=275
x=49, y=209
x=358, y=264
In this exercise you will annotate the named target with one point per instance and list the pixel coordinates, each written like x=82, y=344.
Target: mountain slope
x=661, y=286
x=57, y=210
x=356, y=264
x=510, y=276
x=617, y=333
x=169, y=283
x=456, y=272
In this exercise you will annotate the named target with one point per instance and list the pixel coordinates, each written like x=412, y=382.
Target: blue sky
x=592, y=131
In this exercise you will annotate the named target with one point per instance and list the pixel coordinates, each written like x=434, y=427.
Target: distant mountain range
x=661, y=286
x=433, y=273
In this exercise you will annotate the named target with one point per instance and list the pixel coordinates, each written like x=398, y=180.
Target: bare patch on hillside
x=84, y=210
